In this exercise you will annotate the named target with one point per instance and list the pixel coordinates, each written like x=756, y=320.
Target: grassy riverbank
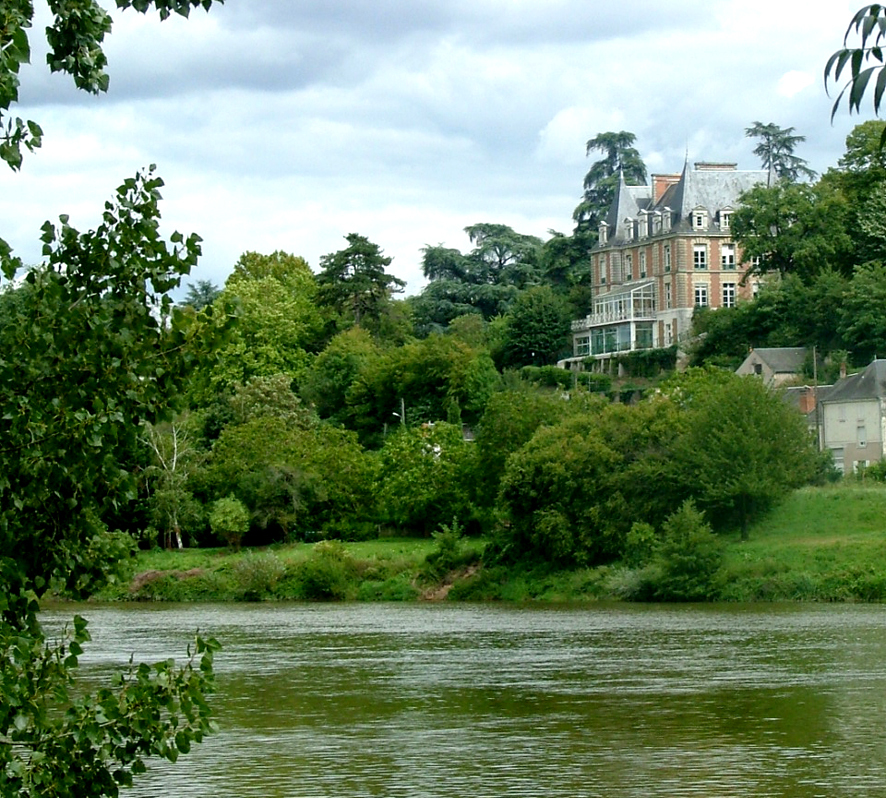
x=822, y=544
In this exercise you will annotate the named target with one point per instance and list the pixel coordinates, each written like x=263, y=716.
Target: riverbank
x=822, y=544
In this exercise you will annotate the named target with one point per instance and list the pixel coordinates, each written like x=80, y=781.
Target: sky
x=288, y=124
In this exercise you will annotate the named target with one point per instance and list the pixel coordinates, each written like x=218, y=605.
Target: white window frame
x=727, y=256
x=700, y=257
x=729, y=295
x=702, y=295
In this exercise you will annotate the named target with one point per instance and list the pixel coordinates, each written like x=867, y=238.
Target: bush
x=549, y=376
x=229, y=519
x=328, y=574
x=448, y=555
x=256, y=575
x=687, y=564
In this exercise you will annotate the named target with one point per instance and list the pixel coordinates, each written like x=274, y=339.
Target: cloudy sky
x=287, y=124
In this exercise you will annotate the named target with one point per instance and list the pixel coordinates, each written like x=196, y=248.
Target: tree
x=536, y=329
x=776, y=151
x=202, y=294
x=353, y=280
x=620, y=158
x=860, y=317
x=93, y=349
x=870, y=22
x=229, y=519
x=743, y=448
x=793, y=228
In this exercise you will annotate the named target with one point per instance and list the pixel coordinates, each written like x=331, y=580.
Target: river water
x=443, y=700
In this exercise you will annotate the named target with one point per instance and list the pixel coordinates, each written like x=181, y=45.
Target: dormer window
x=656, y=222
x=629, y=229
x=666, y=219
x=642, y=225
x=604, y=233
x=699, y=219
x=725, y=219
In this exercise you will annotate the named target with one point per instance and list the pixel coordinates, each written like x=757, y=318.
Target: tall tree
x=201, y=294
x=776, y=151
x=93, y=349
x=353, y=280
x=536, y=329
x=620, y=156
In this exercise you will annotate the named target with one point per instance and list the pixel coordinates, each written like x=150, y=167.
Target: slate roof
x=708, y=187
x=867, y=384
x=783, y=359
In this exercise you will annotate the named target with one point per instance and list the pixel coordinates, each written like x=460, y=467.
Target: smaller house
x=853, y=418
x=775, y=366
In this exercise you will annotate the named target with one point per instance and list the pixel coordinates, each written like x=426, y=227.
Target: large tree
x=619, y=157
x=776, y=151
x=354, y=280
x=92, y=350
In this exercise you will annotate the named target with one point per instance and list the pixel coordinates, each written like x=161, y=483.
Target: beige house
x=853, y=418
x=664, y=250
x=775, y=366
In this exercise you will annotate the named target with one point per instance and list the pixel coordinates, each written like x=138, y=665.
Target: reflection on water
x=485, y=700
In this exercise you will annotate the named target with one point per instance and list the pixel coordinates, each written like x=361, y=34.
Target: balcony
x=634, y=304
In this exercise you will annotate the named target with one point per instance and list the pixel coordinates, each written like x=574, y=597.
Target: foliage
x=202, y=294
x=548, y=376
x=743, y=447
x=424, y=477
x=686, y=565
x=257, y=575
x=292, y=271
x=449, y=554
x=792, y=228
x=870, y=23
x=536, y=329
x=229, y=520
x=648, y=362
x=571, y=495
x=861, y=320
x=293, y=480
x=328, y=574
x=621, y=159
x=776, y=151
x=353, y=280
x=270, y=397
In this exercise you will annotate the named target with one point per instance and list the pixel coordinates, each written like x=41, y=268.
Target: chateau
x=663, y=250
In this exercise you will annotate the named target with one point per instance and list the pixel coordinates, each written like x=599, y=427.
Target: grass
x=821, y=544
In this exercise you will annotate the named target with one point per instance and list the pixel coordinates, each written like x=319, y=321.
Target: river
x=440, y=700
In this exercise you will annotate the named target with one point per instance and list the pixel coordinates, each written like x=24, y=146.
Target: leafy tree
x=776, y=151
x=861, y=320
x=277, y=328
x=291, y=270
x=354, y=281
x=864, y=62
x=743, y=447
x=229, y=520
x=793, y=228
x=571, y=495
x=174, y=456
x=620, y=157
x=93, y=349
x=201, y=294
x=536, y=329
x=423, y=478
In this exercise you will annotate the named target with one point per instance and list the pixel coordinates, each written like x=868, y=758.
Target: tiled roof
x=867, y=384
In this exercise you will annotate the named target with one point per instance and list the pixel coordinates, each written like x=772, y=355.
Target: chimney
x=843, y=370
x=807, y=400
x=661, y=183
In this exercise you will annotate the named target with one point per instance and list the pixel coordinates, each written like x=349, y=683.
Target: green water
x=487, y=700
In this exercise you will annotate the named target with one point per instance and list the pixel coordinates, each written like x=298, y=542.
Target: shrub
x=448, y=554
x=549, y=376
x=328, y=574
x=256, y=575
x=687, y=565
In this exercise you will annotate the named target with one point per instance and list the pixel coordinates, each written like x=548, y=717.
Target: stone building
x=664, y=249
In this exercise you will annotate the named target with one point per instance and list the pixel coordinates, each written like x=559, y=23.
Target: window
x=700, y=256
x=837, y=454
x=668, y=295
x=862, y=436
x=727, y=256
x=725, y=219
x=642, y=265
x=758, y=369
x=728, y=295
x=667, y=257
x=756, y=289
x=604, y=233
x=699, y=219
x=701, y=295
x=629, y=267
x=582, y=346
